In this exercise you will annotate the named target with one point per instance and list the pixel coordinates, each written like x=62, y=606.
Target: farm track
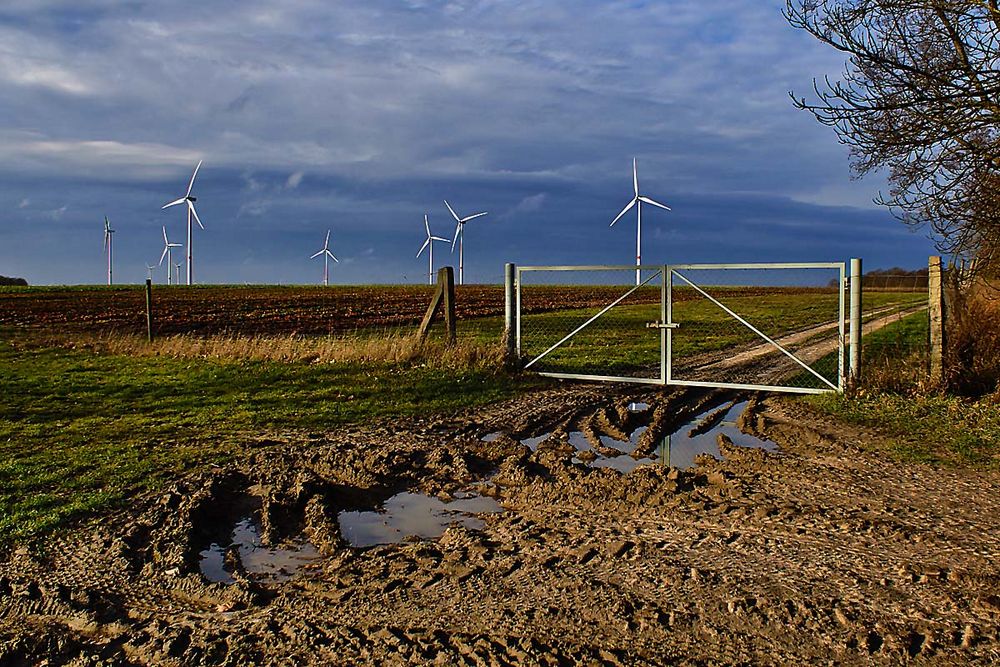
x=819, y=552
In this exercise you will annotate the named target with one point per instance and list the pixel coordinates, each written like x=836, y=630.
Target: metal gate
x=778, y=327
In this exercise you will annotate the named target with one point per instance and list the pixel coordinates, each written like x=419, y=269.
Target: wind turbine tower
x=327, y=256
x=460, y=238
x=637, y=201
x=429, y=244
x=191, y=213
x=107, y=245
x=167, y=247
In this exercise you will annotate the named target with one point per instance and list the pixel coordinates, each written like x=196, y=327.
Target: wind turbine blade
x=624, y=211
x=326, y=243
x=453, y=214
x=107, y=237
x=427, y=226
x=162, y=256
x=194, y=213
x=472, y=217
x=647, y=200
x=332, y=257
x=174, y=203
x=635, y=177
x=316, y=255
x=165, y=235
x=458, y=232
x=426, y=243
x=191, y=184
x=439, y=238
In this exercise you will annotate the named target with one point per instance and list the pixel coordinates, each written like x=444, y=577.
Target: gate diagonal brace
x=444, y=295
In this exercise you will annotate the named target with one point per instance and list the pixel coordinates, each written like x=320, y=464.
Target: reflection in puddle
x=490, y=437
x=638, y=407
x=682, y=447
x=678, y=449
x=411, y=514
x=274, y=564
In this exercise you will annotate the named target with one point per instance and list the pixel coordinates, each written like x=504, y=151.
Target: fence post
x=447, y=274
x=935, y=306
x=854, y=363
x=509, y=276
x=149, y=310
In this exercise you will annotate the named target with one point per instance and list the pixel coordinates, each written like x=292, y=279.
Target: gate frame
x=667, y=325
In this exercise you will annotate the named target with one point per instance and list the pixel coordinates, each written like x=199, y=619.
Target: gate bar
x=588, y=322
x=756, y=330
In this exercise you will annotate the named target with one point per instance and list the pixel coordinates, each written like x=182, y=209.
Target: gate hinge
x=661, y=325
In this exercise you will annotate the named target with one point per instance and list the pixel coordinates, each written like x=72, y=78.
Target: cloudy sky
x=363, y=116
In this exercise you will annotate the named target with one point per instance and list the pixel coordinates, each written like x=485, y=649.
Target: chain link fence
x=590, y=321
x=761, y=326
x=895, y=329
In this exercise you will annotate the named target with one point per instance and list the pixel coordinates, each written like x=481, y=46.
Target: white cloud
x=294, y=180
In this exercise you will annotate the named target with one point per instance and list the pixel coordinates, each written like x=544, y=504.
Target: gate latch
x=662, y=325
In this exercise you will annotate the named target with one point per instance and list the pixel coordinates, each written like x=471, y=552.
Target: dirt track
x=815, y=553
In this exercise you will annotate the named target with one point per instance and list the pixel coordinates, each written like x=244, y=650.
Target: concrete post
x=935, y=307
x=510, y=309
x=854, y=359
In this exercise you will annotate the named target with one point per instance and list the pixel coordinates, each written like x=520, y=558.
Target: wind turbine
x=191, y=213
x=167, y=247
x=460, y=238
x=177, y=273
x=429, y=244
x=149, y=271
x=107, y=244
x=637, y=201
x=327, y=255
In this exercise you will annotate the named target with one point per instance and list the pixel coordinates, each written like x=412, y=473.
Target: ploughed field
x=262, y=310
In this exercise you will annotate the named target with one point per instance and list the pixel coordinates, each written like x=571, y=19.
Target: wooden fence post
x=443, y=293
x=149, y=310
x=935, y=306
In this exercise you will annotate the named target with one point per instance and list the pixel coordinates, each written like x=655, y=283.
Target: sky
x=360, y=117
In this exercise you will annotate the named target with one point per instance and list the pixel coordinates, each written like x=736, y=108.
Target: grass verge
x=932, y=428
x=82, y=432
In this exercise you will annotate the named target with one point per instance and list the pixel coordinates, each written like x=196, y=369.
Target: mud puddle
x=412, y=515
x=244, y=551
x=679, y=449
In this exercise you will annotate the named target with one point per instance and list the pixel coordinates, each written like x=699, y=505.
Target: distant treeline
x=17, y=282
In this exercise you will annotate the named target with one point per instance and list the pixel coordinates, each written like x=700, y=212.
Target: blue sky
x=363, y=116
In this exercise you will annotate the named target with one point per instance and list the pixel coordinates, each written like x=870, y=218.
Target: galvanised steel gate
x=778, y=327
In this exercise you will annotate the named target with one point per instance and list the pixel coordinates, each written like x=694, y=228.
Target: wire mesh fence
x=895, y=328
x=763, y=326
x=590, y=322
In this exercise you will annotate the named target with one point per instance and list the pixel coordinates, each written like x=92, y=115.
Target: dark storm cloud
x=361, y=117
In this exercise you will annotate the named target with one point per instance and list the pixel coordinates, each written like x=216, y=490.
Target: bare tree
x=920, y=96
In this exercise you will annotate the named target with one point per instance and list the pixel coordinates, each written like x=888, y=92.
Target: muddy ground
x=816, y=552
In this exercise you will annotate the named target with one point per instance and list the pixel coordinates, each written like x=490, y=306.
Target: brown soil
x=819, y=552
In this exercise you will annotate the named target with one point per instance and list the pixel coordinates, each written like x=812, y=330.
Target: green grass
x=937, y=429
x=80, y=433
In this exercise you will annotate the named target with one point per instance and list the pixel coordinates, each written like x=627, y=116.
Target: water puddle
x=678, y=449
x=638, y=407
x=408, y=515
x=267, y=563
x=490, y=437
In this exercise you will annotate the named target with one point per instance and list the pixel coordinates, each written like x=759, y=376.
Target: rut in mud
x=571, y=526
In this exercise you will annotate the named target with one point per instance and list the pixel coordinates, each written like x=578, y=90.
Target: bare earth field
x=267, y=310
x=814, y=552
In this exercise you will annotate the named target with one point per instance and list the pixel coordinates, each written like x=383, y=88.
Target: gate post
x=510, y=341
x=855, y=332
